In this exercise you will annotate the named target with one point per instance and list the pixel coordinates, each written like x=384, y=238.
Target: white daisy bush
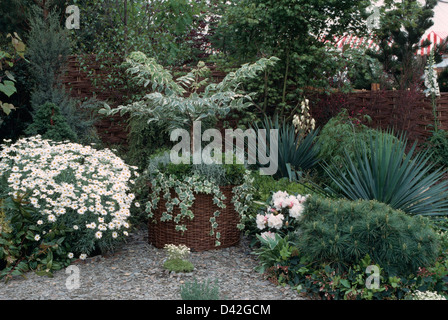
x=427, y=295
x=283, y=213
x=70, y=187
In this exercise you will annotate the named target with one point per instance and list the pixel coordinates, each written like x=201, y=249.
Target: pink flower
x=296, y=211
x=261, y=221
x=275, y=221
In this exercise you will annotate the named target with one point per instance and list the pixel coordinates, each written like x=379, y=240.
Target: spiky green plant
x=295, y=151
x=382, y=170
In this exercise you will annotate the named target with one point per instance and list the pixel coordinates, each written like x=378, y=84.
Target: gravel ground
x=135, y=272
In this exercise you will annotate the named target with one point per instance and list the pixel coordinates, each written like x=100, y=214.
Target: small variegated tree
x=169, y=101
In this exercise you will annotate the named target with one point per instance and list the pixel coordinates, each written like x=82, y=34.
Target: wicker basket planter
x=197, y=236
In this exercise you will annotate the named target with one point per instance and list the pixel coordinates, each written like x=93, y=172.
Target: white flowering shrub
x=282, y=215
x=72, y=192
x=180, y=252
x=304, y=122
x=427, y=295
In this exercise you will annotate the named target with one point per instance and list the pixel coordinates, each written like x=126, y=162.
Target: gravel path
x=135, y=272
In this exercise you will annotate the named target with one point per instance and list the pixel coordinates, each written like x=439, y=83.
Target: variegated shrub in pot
x=179, y=104
x=200, y=206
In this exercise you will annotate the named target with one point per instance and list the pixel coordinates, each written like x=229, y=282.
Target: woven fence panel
x=80, y=83
x=406, y=111
x=402, y=111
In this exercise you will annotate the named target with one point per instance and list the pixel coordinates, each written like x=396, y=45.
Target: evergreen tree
x=48, y=48
x=402, y=25
x=50, y=124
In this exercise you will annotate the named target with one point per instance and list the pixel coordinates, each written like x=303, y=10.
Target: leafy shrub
x=341, y=135
x=194, y=290
x=264, y=186
x=438, y=146
x=24, y=246
x=72, y=194
x=273, y=251
x=283, y=263
x=342, y=232
x=381, y=170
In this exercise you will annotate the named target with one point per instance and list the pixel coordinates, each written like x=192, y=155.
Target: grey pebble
x=135, y=272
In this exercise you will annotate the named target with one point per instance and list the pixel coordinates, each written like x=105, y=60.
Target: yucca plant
x=408, y=182
x=296, y=152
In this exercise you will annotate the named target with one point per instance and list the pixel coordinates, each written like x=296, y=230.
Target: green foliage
x=194, y=290
x=20, y=248
x=50, y=124
x=293, y=32
x=145, y=140
x=265, y=186
x=342, y=232
x=222, y=174
x=438, y=145
x=362, y=69
x=382, y=170
x=295, y=150
x=403, y=23
x=322, y=281
x=161, y=29
x=7, y=59
x=341, y=135
x=178, y=265
x=168, y=103
x=48, y=47
x=274, y=251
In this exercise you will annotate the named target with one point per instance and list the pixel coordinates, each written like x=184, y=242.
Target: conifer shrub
x=50, y=124
x=342, y=232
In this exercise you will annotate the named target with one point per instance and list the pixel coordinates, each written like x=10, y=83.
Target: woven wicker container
x=197, y=236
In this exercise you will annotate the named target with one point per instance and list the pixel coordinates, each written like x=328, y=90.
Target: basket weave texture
x=197, y=236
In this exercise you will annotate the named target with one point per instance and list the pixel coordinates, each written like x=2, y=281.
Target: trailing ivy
x=163, y=184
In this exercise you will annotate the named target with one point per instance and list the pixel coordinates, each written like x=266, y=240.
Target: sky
x=440, y=17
